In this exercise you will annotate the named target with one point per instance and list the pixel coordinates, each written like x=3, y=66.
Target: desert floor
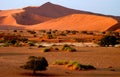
x=104, y=59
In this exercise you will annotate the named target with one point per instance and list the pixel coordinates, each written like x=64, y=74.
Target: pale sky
x=108, y=7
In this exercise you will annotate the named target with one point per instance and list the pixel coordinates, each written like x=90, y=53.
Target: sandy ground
x=102, y=58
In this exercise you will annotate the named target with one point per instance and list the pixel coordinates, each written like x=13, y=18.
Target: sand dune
x=53, y=16
x=78, y=22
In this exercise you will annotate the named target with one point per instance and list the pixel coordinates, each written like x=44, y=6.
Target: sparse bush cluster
x=74, y=65
x=13, y=40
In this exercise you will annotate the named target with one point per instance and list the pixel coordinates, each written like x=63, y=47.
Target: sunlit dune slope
x=78, y=22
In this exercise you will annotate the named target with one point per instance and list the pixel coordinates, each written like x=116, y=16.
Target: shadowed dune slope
x=52, y=10
x=26, y=18
x=78, y=22
x=20, y=17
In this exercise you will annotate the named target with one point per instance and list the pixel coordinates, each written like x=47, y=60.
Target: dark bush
x=108, y=40
x=46, y=49
x=35, y=64
x=15, y=31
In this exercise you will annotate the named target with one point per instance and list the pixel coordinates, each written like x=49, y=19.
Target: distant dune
x=52, y=16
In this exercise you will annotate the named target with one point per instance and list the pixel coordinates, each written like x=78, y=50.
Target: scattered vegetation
x=12, y=40
x=68, y=48
x=31, y=32
x=22, y=37
x=36, y=64
x=74, y=65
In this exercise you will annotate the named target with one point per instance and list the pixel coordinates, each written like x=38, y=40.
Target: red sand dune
x=78, y=22
x=52, y=16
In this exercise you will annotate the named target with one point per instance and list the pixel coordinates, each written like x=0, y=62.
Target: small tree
x=108, y=40
x=36, y=64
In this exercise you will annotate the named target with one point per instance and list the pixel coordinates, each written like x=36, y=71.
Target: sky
x=107, y=7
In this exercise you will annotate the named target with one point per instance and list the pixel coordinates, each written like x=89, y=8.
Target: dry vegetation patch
x=74, y=65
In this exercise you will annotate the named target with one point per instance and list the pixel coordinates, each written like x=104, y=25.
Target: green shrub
x=35, y=64
x=71, y=63
x=31, y=44
x=60, y=62
x=75, y=65
x=68, y=48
